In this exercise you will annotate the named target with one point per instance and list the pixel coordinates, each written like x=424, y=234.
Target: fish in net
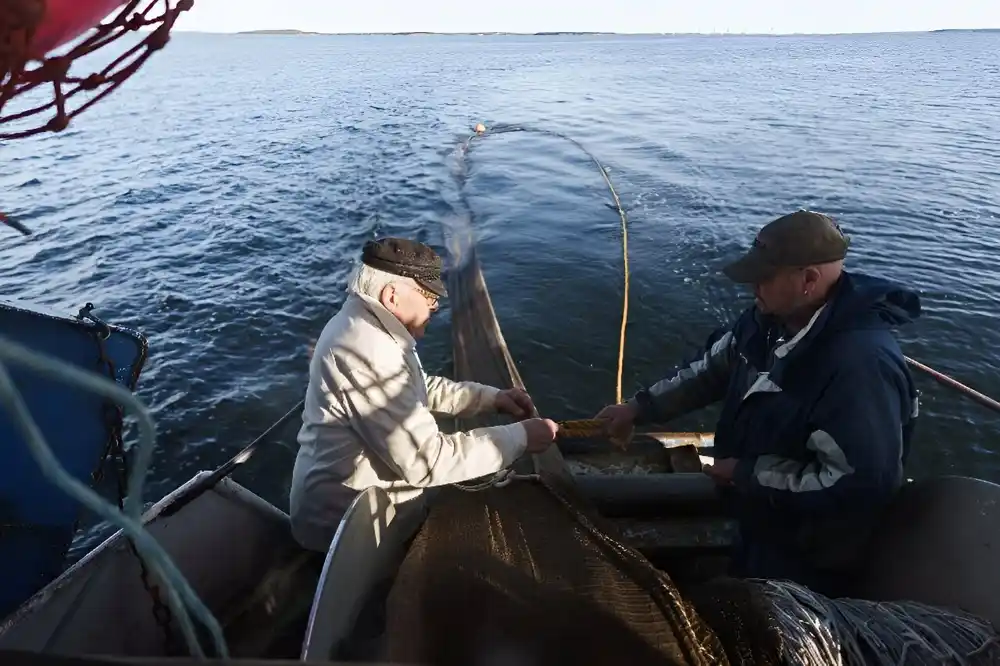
x=30, y=31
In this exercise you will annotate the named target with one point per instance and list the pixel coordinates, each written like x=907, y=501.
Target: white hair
x=370, y=282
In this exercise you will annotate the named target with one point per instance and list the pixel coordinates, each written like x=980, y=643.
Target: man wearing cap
x=818, y=404
x=369, y=408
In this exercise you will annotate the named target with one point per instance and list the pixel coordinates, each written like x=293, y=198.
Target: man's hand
x=722, y=470
x=515, y=402
x=541, y=433
x=619, y=423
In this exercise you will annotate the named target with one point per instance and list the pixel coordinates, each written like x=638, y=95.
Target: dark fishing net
x=514, y=575
x=743, y=619
x=528, y=574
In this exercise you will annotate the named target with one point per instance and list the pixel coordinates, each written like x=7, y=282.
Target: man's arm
x=385, y=409
x=855, y=449
x=695, y=386
x=459, y=399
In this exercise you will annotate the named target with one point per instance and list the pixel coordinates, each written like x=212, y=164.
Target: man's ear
x=812, y=276
x=388, y=296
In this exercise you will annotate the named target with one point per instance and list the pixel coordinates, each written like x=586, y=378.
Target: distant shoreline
x=307, y=33
x=412, y=34
x=967, y=30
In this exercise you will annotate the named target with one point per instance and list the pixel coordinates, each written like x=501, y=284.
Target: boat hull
x=235, y=550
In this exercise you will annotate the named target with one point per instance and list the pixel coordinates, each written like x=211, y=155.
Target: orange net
x=72, y=93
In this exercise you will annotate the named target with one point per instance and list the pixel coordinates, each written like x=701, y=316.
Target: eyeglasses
x=431, y=298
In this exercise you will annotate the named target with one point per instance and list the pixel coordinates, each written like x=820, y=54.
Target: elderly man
x=369, y=409
x=818, y=404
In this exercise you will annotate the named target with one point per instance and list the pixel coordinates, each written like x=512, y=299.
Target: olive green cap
x=799, y=239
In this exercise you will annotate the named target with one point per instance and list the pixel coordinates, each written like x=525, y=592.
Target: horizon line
x=556, y=33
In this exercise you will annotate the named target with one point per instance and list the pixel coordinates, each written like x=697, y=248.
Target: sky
x=629, y=16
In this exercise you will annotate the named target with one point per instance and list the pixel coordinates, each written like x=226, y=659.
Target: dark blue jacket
x=820, y=424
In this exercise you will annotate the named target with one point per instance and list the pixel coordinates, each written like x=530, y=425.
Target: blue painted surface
x=37, y=520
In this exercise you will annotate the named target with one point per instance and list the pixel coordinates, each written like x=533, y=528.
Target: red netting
x=73, y=93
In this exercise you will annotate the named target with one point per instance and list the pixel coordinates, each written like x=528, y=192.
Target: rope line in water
x=482, y=131
x=589, y=428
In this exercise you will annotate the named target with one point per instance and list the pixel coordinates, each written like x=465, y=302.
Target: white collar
x=389, y=322
x=782, y=350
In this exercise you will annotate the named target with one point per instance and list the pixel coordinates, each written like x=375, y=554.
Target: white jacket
x=368, y=421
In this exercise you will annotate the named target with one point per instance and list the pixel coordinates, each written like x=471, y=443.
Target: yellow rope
x=593, y=428
x=621, y=339
x=481, y=130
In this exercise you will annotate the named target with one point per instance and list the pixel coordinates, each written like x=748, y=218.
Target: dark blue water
x=218, y=200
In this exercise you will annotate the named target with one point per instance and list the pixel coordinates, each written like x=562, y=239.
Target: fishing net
x=525, y=575
x=743, y=620
x=528, y=574
x=73, y=92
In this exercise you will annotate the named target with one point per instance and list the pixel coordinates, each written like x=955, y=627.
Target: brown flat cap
x=406, y=258
x=802, y=238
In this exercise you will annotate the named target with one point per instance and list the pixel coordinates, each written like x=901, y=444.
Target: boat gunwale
x=226, y=487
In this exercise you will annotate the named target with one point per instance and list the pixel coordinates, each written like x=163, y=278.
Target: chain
x=115, y=452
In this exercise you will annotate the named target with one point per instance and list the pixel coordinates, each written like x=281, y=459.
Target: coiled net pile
x=528, y=574
x=832, y=632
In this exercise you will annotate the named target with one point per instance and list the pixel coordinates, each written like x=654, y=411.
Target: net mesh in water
x=524, y=575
